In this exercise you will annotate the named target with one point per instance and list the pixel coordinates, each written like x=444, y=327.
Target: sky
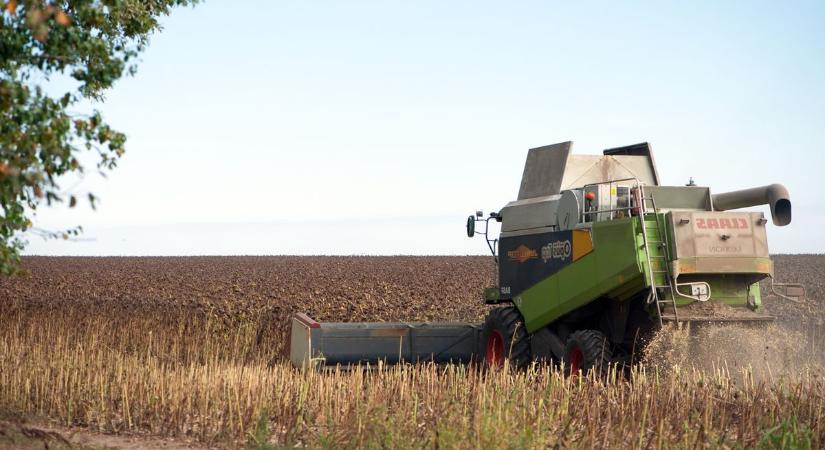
x=376, y=127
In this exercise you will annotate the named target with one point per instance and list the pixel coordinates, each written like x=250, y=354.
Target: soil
x=16, y=435
x=329, y=288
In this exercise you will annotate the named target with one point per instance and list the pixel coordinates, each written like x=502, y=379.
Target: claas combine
x=593, y=257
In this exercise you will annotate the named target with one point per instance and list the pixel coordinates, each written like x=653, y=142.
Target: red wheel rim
x=494, y=354
x=576, y=358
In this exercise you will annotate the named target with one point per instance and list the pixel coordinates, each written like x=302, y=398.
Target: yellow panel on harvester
x=582, y=243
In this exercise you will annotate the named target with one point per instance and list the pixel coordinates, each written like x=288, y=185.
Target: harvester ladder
x=662, y=257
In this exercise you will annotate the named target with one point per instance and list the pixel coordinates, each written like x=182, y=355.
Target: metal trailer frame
x=314, y=344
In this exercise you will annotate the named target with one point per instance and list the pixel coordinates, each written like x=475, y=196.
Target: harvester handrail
x=608, y=210
x=637, y=184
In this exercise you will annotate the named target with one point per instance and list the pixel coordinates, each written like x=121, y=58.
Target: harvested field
x=808, y=270
x=263, y=292
x=192, y=348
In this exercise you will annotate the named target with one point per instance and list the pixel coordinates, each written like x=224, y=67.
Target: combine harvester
x=593, y=257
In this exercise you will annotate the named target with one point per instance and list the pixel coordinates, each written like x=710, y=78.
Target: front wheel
x=587, y=350
x=505, y=338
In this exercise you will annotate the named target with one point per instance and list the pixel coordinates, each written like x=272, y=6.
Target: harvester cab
x=593, y=256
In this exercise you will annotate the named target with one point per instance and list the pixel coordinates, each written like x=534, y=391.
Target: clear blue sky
x=375, y=127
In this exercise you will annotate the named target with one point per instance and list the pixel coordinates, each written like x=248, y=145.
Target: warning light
x=590, y=196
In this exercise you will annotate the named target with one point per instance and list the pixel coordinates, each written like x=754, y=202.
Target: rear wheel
x=587, y=350
x=505, y=338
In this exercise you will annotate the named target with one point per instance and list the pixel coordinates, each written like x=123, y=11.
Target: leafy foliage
x=788, y=434
x=91, y=43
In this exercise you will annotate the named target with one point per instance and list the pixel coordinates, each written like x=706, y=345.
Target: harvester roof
x=552, y=168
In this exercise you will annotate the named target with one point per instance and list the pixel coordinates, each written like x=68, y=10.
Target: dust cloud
x=791, y=345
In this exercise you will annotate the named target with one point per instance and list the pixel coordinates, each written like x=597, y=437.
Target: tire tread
x=508, y=321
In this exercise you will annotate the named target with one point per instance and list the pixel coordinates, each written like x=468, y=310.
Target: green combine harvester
x=593, y=257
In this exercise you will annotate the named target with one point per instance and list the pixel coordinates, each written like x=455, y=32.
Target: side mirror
x=471, y=226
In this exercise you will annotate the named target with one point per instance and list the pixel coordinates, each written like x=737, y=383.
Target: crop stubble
x=192, y=347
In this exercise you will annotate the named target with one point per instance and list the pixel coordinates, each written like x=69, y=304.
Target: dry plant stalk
x=212, y=384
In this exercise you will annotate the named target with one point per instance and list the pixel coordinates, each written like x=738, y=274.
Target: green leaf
x=90, y=41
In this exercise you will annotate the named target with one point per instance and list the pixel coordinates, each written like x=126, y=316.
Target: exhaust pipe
x=774, y=195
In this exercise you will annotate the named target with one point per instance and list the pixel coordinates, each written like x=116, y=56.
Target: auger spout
x=774, y=195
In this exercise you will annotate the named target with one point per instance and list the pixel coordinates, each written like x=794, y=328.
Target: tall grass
x=197, y=377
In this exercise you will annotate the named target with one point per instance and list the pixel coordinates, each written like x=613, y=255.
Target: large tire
x=587, y=350
x=505, y=338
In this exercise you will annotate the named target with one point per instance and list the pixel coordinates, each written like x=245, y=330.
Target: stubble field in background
x=193, y=348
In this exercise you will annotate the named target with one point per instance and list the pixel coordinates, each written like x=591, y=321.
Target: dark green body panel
x=612, y=269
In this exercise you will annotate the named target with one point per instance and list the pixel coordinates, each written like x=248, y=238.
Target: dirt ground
x=35, y=436
x=327, y=288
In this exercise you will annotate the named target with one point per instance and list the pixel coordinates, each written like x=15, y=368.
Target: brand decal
x=528, y=259
x=556, y=250
x=737, y=223
x=522, y=253
x=726, y=249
